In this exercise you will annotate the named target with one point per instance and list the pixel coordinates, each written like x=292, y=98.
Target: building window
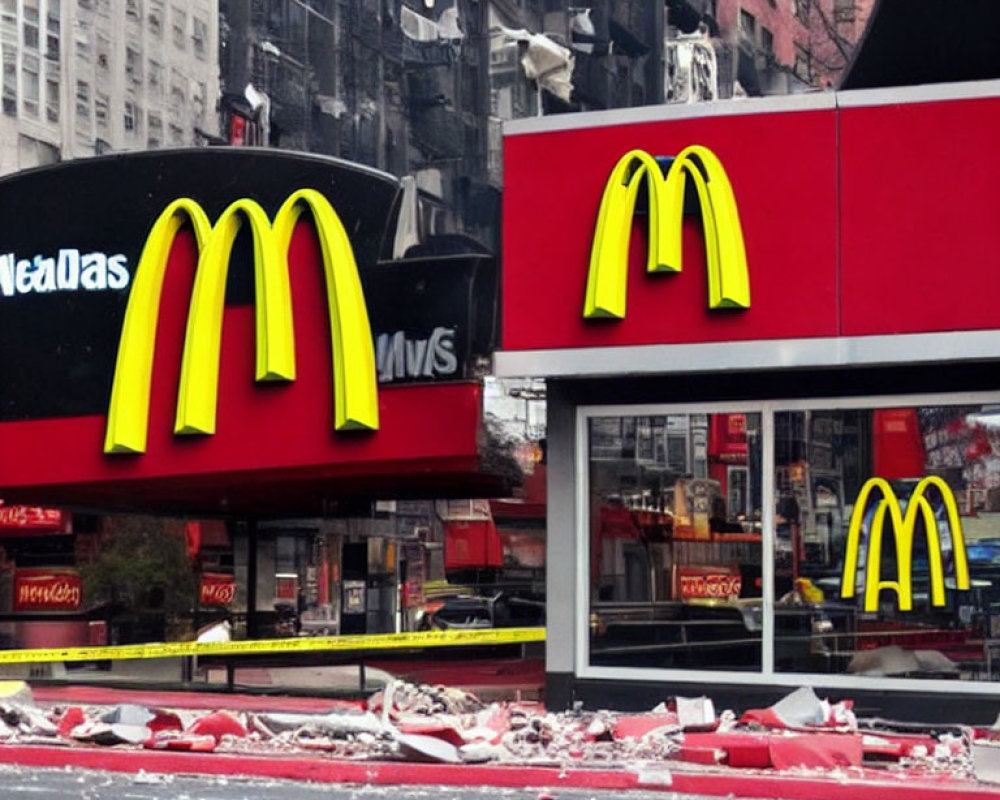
x=844, y=11
x=802, y=10
x=178, y=96
x=30, y=26
x=133, y=9
x=767, y=45
x=88, y=4
x=9, y=81
x=672, y=530
x=133, y=65
x=83, y=100
x=103, y=52
x=199, y=37
x=176, y=135
x=803, y=63
x=52, y=100
x=154, y=131
x=155, y=75
x=155, y=18
x=29, y=84
x=81, y=41
x=52, y=31
x=8, y=15
x=748, y=26
x=841, y=476
x=102, y=106
x=130, y=116
x=179, y=27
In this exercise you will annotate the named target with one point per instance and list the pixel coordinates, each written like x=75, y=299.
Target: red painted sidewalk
x=849, y=785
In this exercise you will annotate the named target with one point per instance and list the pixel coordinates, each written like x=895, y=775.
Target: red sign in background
x=28, y=519
x=47, y=589
x=217, y=589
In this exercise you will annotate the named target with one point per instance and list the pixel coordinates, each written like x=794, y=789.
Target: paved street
x=21, y=783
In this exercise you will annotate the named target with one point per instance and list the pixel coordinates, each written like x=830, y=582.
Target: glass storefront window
x=877, y=511
x=675, y=540
x=846, y=539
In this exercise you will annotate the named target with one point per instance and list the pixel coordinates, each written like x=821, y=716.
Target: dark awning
x=909, y=42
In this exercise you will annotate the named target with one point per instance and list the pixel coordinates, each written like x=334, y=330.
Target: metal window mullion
x=767, y=539
x=581, y=526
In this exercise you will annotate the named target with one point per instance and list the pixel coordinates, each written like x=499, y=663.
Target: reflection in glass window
x=675, y=540
x=869, y=503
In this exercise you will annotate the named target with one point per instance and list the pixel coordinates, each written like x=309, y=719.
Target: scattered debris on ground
x=405, y=721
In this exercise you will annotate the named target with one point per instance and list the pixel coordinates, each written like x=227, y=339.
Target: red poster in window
x=47, y=589
x=706, y=583
x=237, y=130
x=728, y=438
x=217, y=589
x=286, y=587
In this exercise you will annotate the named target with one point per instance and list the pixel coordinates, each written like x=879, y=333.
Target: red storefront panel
x=918, y=216
x=782, y=167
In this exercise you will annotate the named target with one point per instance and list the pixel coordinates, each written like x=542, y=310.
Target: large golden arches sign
x=607, y=278
x=903, y=527
x=354, y=377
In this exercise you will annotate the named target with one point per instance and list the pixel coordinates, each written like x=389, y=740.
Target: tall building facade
x=86, y=77
x=422, y=87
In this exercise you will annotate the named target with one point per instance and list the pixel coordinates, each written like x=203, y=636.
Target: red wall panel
x=920, y=203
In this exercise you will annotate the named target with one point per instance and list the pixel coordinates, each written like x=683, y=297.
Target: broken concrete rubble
x=407, y=722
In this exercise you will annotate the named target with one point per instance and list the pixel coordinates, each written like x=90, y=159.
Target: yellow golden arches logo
x=903, y=526
x=354, y=377
x=728, y=281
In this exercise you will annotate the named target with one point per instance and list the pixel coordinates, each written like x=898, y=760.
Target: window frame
x=768, y=674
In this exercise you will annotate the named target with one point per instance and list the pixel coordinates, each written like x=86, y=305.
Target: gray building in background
x=86, y=77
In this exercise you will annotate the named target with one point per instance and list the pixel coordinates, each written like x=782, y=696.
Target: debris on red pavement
x=72, y=717
x=217, y=725
x=405, y=722
x=171, y=740
x=635, y=726
x=816, y=750
x=802, y=709
x=164, y=721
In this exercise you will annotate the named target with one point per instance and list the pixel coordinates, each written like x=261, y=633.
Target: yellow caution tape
x=382, y=641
